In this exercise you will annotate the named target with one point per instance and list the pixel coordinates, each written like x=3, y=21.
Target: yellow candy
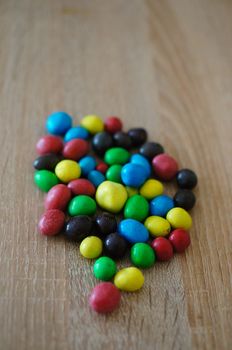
x=92, y=123
x=157, y=226
x=179, y=218
x=131, y=191
x=111, y=196
x=67, y=170
x=91, y=247
x=151, y=188
x=129, y=279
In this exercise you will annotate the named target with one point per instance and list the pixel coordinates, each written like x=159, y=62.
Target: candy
x=106, y=223
x=78, y=132
x=114, y=173
x=136, y=207
x=57, y=197
x=160, y=205
x=111, y=196
x=102, y=167
x=67, y=170
x=49, y=144
x=105, y=297
x=101, y=142
x=75, y=149
x=138, y=136
x=133, y=231
x=186, y=178
x=91, y=247
x=82, y=186
x=151, y=188
x=51, y=222
x=157, y=226
x=179, y=218
x=165, y=167
x=142, y=255
x=133, y=175
x=113, y=124
x=122, y=184
x=92, y=123
x=129, y=279
x=46, y=162
x=151, y=149
x=58, y=123
x=180, y=240
x=138, y=159
x=82, y=205
x=96, y=177
x=78, y=227
x=121, y=139
x=45, y=180
x=104, y=268
x=87, y=164
x=115, y=246
x=163, y=248
x=116, y=155
x=185, y=199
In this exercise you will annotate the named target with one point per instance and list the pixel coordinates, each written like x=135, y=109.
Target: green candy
x=114, y=173
x=45, y=180
x=137, y=208
x=142, y=255
x=104, y=268
x=116, y=155
x=82, y=205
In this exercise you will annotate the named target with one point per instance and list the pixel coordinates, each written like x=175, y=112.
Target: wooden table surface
x=165, y=65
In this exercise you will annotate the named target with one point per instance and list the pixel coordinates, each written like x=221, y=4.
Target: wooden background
x=165, y=65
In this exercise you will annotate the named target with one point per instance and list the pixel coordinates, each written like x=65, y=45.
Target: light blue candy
x=78, y=132
x=96, y=177
x=133, y=175
x=133, y=231
x=58, y=123
x=160, y=205
x=87, y=164
x=138, y=159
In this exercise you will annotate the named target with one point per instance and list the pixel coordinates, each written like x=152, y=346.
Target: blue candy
x=160, y=205
x=133, y=175
x=87, y=164
x=58, y=123
x=78, y=132
x=96, y=177
x=133, y=231
x=138, y=159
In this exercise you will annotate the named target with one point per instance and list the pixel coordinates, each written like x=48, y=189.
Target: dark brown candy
x=47, y=161
x=122, y=139
x=78, y=227
x=138, y=136
x=151, y=149
x=115, y=246
x=105, y=223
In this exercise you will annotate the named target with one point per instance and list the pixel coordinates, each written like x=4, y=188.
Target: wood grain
x=165, y=65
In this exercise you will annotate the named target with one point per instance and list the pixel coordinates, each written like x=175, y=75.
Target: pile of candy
x=150, y=224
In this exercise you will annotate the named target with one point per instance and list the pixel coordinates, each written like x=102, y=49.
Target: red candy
x=57, y=197
x=75, y=149
x=102, y=167
x=105, y=297
x=163, y=249
x=49, y=144
x=180, y=240
x=82, y=186
x=165, y=166
x=51, y=222
x=113, y=124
